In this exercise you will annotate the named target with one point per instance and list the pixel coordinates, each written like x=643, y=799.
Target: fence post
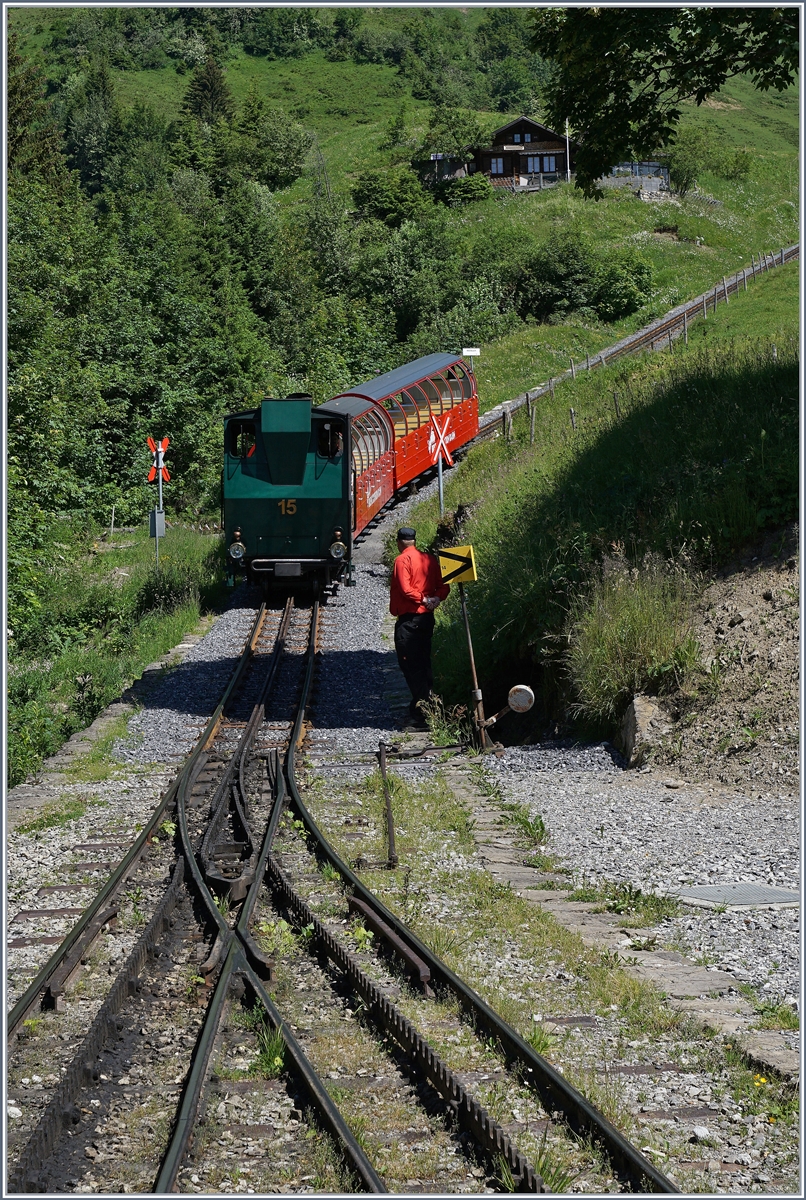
x=573, y=419
x=744, y=277
x=573, y=370
x=602, y=358
x=704, y=309
x=725, y=286
x=670, y=337
x=504, y=422
x=551, y=387
x=532, y=426
x=716, y=295
x=685, y=327
x=782, y=256
x=588, y=361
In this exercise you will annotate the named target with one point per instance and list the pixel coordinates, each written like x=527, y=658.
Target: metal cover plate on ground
x=738, y=895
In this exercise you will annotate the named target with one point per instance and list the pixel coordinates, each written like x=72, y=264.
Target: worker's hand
x=431, y=602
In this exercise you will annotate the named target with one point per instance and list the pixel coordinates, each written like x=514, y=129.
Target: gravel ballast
x=177, y=709
x=607, y=824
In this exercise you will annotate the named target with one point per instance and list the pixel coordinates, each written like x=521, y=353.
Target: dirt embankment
x=742, y=728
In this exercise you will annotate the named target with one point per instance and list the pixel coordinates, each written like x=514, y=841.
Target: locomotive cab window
x=330, y=440
x=242, y=439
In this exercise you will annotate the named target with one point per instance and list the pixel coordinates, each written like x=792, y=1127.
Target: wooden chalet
x=525, y=155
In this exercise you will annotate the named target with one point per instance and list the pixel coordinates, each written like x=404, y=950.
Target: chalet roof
x=543, y=129
x=401, y=377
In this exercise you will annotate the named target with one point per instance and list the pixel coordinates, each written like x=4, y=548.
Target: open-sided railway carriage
x=301, y=481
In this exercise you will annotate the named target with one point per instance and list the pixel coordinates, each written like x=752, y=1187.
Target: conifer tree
x=33, y=139
x=253, y=110
x=208, y=96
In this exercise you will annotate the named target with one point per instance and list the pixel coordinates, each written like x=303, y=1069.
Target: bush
x=483, y=313
x=688, y=157
x=623, y=284
x=695, y=152
x=559, y=278
x=392, y=196
x=467, y=190
x=630, y=634
x=735, y=165
x=567, y=275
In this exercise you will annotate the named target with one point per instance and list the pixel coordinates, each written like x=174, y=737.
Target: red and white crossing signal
x=438, y=440
x=158, y=450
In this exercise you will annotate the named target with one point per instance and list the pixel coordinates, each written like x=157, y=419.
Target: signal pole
x=159, y=472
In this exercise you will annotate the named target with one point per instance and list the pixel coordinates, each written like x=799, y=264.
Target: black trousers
x=413, y=634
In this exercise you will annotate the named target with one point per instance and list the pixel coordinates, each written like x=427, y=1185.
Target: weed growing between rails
x=677, y=473
x=449, y=725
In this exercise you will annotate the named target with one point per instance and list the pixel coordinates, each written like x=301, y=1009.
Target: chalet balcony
x=537, y=182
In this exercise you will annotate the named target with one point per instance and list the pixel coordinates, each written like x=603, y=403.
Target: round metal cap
x=520, y=698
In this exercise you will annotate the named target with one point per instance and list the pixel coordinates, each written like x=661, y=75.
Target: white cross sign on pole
x=159, y=472
x=438, y=445
x=158, y=450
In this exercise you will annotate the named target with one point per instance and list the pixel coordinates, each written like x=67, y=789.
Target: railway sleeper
x=60, y=1113
x=61, y=977
x=471, y=1117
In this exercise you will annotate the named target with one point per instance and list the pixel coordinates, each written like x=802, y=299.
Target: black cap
x=406, y=534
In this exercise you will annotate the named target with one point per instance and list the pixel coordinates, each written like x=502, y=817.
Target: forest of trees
x=155, y=281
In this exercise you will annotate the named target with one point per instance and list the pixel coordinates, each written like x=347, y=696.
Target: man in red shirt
x=417, y=589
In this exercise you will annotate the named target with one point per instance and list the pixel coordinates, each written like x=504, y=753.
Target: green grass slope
x=703, y=457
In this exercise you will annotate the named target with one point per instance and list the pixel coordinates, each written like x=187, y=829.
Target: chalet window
x=242, y=439
x=527, y=137
x=517, y=137
x=496, y=166
x=533, y=164
x=549, y=162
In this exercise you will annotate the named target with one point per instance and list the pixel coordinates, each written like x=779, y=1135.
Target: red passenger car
x=399, y=420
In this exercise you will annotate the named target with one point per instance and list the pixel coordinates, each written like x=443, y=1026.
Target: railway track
x=658, y=335
x=228, y=904
x=262, y=952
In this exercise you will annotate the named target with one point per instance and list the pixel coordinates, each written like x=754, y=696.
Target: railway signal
x=458, y=565
x=159, y=472
x=438, y=446
x=157, y=467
